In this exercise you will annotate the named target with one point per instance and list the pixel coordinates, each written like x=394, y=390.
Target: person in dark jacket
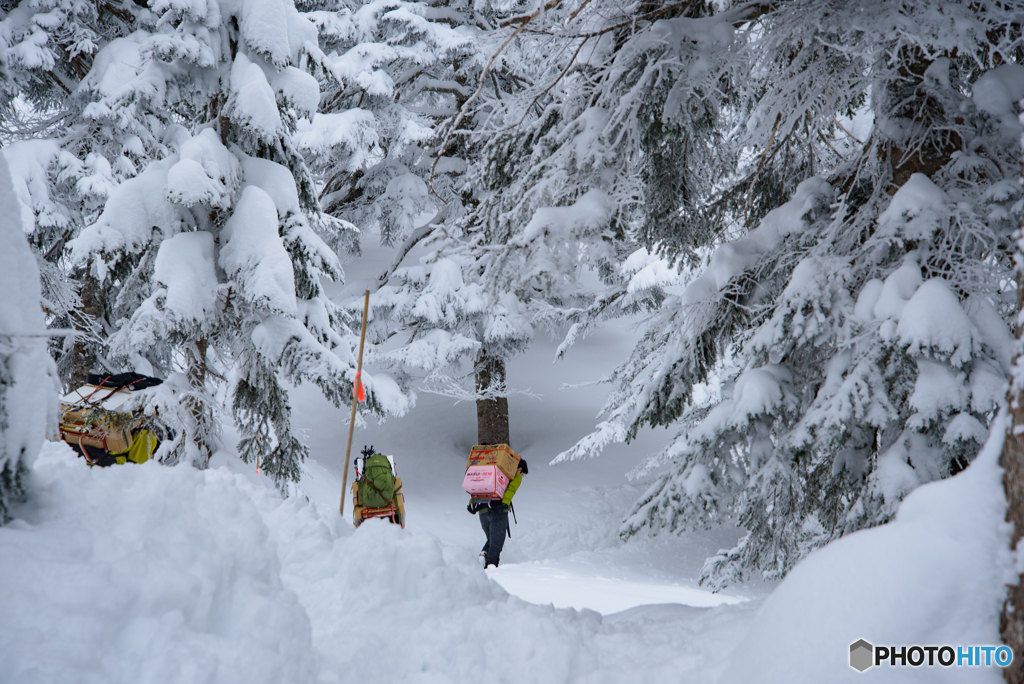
x=494, y=518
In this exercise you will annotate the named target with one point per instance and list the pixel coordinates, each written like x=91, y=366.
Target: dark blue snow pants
x=495, y=524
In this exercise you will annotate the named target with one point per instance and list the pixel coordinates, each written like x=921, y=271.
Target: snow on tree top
x=270, y=27
x=273, y=179
x=188, y=185
x=437, y=349
x=897, y=289
x=758, y=391
x=358, y=68
x=647, y=271
x=996, y=335
x=998, y=90
x=505, y=326
x=254, y=100
x=133, y=210
x=184, y=265
x=119, y=69
x=298, y=88
x=218, y=163
x=964, y=427
x=917, y=209
x=28, y=162
x=353, y=129
x=934, y=323
x=253, y=253
x=558, y=225
x=938, y=390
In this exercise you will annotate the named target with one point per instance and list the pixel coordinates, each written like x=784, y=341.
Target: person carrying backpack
x=377, y=491
x=494, y=518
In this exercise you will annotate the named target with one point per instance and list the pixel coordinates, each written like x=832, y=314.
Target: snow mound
x=933, y=576
x=148, y=574
x=145, y=574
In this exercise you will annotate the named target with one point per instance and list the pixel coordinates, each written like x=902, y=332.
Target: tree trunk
x=83, y=352
x=202, y=415
x=1011, y=622
x=912, y=104
x=491, y=414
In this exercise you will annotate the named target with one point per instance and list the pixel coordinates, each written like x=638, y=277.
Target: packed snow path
x=580, y=588
x=564, y=547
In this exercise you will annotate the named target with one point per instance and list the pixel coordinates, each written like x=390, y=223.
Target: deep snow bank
x=936, y=575
x=150, y=574
x=145, y=574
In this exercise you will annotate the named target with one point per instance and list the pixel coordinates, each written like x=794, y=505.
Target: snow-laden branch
x=483, y=80
x=414, y=239
x=56, y=332
x=496, y=390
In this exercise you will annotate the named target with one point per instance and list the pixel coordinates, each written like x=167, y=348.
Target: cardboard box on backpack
x=78, y=425
x=485, y=482
x=500, y=455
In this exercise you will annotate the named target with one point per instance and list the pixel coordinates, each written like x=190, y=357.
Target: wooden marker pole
x=356, y=386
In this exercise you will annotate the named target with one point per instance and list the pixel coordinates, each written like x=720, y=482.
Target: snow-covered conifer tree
x=398, y=68
x=449, y=318
x=214, y=252
x=28, y=387
x=571, y=173
x=406, y=73
x=854, y=312
x=65, y=156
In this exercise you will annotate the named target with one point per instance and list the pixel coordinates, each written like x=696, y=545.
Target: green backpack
x=377, y=486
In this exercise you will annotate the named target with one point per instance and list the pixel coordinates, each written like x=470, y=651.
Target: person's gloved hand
x=471, y=508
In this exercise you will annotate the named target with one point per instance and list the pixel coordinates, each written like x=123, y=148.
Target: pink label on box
x=485, y=481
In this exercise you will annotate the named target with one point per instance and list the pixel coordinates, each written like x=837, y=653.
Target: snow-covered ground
x=147, y=574
x=567, y=516
x=152, y=574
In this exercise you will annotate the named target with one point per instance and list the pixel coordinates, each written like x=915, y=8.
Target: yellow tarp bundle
x=141, y=449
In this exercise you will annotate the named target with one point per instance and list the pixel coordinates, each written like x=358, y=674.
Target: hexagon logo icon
x=861, y=655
